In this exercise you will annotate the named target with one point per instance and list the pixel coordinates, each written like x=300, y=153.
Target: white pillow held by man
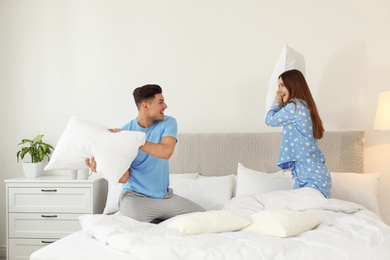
x=81, y=139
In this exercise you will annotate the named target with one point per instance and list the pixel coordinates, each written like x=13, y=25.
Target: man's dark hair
x=145, y=93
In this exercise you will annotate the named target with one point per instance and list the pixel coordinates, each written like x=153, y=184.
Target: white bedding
x=348, y=231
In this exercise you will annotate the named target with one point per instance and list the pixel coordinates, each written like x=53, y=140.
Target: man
x=146, y=195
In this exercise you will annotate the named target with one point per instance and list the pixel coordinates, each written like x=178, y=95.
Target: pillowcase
x=114, y=191
x=288, y=59
x=210, y=192
x=113, y=194
x=113, y=152
x=254, y=182
x=360, y=188
x=282, y=222
x=208, y=222
x=175, y=177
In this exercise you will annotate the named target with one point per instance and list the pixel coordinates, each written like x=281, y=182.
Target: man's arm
x=163, y=150
x=125, y=177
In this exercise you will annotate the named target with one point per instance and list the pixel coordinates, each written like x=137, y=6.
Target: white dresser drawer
x=49, y=225
x=50, y=199
x=46, y=208
x=23, y=248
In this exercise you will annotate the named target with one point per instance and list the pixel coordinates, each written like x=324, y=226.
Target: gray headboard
x=216, y=154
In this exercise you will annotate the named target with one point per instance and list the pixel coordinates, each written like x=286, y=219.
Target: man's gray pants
x=139, y=207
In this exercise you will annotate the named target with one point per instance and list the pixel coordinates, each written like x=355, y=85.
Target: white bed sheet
x=79, y=246
x=348, y=232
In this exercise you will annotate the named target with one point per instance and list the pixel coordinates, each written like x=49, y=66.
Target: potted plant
x=37, y=150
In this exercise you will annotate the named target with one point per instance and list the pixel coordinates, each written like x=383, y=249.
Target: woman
x=296, y=111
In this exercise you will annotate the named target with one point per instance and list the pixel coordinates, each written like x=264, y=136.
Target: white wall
x=213, y=59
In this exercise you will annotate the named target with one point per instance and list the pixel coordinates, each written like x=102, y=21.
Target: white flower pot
x=33, y=169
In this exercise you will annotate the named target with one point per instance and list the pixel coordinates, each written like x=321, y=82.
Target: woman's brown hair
x=297, y=86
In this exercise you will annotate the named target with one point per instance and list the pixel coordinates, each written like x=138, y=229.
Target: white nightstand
x=41, y=210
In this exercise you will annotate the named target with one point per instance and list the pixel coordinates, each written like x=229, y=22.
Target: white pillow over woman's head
x=288, y=59
x=81, y=139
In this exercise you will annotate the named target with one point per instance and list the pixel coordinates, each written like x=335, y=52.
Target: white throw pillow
x=210, y=192
x=255, y=182
x=113, y=194
x=288, y=59
x=282, y=222
x=360, y=188
x=114, y=191
x=208, y=222
x=113, y=152
x=175, y=177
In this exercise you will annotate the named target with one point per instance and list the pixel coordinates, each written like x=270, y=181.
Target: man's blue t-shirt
x=150, y=175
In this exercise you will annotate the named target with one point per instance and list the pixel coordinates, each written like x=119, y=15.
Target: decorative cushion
x=360, y=188
x=113, y=194
x=282, y=222
x=288, y=59
x=114, y=191
x=210, y=192
x=255, y=182
x=208, y=222
x=113, y=152
x=175, y=177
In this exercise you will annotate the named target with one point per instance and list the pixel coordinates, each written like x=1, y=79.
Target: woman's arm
x=278, y=116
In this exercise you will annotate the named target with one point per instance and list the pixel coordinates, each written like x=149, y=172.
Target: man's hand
x=115, y=130
x=91, y=163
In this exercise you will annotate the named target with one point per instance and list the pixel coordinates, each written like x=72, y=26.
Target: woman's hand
x=91, y=163
x=279, y=98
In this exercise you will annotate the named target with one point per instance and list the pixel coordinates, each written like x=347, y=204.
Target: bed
x=252, y=211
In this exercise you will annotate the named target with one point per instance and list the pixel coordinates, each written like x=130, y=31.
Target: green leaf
x=38, y=139
x=44, y=148
x=40, y=155
x=48, y=145
x=17, y=155
x=24, y=151
x=26, y=141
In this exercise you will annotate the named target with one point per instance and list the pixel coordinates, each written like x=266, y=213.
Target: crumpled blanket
x=349, y=231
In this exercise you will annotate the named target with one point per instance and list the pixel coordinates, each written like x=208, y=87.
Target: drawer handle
x=53, y=190
x=48, y=216
x=47, y=242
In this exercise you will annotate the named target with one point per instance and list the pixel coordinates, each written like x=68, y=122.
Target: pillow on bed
x=113, y=152
x=114, y=191
x=288, y=59
x=360, y=188
x=255, y=182
x=210, y=192
x=208, y=222
x=282, y=222
x=174, y=177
